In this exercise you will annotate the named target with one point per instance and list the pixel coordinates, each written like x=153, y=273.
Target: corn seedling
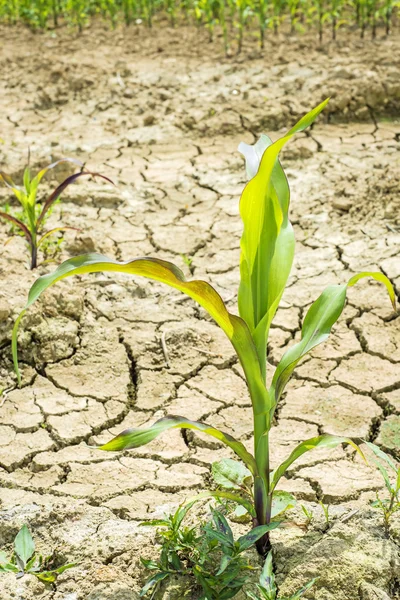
x=30, y=220
x=390, y=505
x=325, y=511
x=25, y=560
x=267, y=252
x=208, y=554
x=309, y=515
x=267, y=590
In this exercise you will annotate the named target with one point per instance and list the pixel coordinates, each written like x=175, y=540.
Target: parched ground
x=161, y=114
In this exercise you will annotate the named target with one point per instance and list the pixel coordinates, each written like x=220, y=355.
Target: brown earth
x=161, y=113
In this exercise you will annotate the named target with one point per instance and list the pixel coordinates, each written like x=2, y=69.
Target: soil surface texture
x=161, y=114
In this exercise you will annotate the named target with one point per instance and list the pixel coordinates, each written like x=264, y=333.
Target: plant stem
x=33, y=255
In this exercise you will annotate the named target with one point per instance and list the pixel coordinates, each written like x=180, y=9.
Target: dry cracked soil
x=161, y=114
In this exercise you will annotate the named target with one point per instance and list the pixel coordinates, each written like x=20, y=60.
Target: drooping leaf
x=248, y=540
x=267, y=244
x=317, y=325
x=58, y=191
x=159, y=270
x=53, y=231
x=24, y=545
x=134, y=438
x=321, y=441
x=230, y=474
x=382, y=455
x=18, y=223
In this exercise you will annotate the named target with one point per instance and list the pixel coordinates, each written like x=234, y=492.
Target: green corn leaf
x=18, y=192
x=267, y=244
x=246, y=541
x=24, y=545
x=382, y=455
x=134, y=438
x=159, y=270
x=27, y=180
x=317, y=325
x=230, y=474
x=321, y=441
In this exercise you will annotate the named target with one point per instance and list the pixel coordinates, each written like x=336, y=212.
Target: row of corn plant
x=267, y=253
x=230, y=18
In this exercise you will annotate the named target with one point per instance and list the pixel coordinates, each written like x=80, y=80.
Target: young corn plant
x=25, y=560
x=267, y=252
x=31, y=218
x=390, y=505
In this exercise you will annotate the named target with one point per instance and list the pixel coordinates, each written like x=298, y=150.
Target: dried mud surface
x=162, y=115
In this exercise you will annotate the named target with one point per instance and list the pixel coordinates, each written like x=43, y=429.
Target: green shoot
x=267, y=252
x=267, y=590
x=30, y=220
x=390, y=505
x=325, y=511
x=309, y=515
x=25, y=560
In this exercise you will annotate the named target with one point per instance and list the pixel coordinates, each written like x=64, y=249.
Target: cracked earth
x=162, y=118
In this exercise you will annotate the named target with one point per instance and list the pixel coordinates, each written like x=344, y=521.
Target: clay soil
x=161, y=113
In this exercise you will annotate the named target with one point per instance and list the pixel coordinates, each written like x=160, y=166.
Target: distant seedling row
x=232, y=18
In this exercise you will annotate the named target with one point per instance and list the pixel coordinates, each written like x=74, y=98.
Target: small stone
x=342, y=204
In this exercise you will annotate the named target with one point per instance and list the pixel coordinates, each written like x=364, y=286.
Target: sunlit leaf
x=159, y=270
x=134, y=438
x=321, y=441
x=317, y=325
x=267, y=244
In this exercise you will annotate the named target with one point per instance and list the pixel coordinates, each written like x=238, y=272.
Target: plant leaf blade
x=322, y=441
x=24, y=545
x=134, y=438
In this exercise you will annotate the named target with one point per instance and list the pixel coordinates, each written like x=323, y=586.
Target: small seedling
x=25, y=560
x=390, y=505
x=325, y=510
x=30, y=220
x=267, y=253
x=208, y=554
x=267, y=590
x=308, y=514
